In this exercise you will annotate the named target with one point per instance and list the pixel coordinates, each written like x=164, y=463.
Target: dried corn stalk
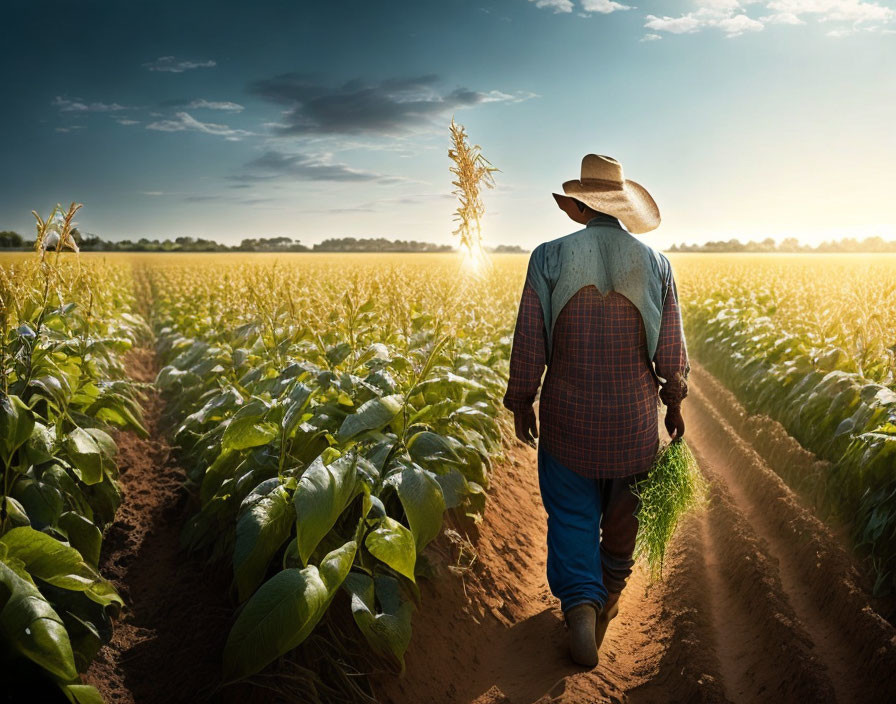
x=472, y=172
x=56, y=231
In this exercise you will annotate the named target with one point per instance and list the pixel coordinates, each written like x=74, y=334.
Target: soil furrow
x=757, y=634
x=686, y=667
x=807, y=590
x=729, y=615
x=166, y=646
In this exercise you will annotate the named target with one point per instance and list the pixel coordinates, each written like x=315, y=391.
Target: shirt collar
x=603, y=219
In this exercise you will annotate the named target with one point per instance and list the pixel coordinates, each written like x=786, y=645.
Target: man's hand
x=674, y=422
x=526, y=430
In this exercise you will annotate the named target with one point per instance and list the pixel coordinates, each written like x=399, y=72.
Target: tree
x=10, y=240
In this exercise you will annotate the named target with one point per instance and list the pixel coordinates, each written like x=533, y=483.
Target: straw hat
x=602, y=187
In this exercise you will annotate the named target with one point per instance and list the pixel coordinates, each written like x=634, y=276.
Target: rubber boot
x=607, y=614
x=581, y=620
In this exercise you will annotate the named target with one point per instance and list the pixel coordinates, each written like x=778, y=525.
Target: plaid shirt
x=598, y=404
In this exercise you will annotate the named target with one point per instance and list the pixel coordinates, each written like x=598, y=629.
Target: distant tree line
x=507, y=249
x=378, y=244
x=92, y=243
x=11, y=240
x=789, y=244
x=88, y=242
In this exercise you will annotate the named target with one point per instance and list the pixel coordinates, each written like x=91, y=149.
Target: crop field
x=295, y=471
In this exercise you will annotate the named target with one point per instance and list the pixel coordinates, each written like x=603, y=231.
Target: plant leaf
x=260, y=531
x=388, y=632
x=16, y=424
x=81, y=694
x=58, y=564
x=30, y=625
x=85, y=455
x=321, y=496
x=248, y=431
x=83, y=535
x=375, y=414
x=394, y=544
x=421, y=497
x=283, y=612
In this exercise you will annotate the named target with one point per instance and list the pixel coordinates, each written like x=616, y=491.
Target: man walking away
x=600, y=310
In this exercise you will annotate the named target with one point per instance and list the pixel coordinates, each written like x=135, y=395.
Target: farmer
x=600, y=310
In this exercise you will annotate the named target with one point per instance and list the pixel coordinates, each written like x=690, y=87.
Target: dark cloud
x=274, y=164
x=202, y=104
x=388, y=107
x=169, y=64
x=79, y=105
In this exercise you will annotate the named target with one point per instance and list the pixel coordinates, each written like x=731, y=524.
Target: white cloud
x=604, y=7
x=184, y=122
x=726, y=15
x=674, y=25
x=651, y=37
x=79, y=105
x=733, y=19
x=835, y=10
x=499, y=96
x=127, y=121
x=201, y=103
x=734, y=26
x=730, y=16
x=720, y=16
x=70, y=128
x=555, y=5
x=170, y=64
x=719, y=7
x=782, y=18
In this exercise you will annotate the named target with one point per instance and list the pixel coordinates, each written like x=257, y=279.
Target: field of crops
x=337, y=412
x=811, y=341
x=330, y=409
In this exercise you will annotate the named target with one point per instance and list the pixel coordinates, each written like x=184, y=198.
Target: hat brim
x=629, y=202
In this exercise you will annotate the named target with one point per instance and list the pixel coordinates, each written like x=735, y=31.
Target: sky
x=313, y=119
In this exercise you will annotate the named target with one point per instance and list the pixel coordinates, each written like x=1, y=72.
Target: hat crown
x=596, y=167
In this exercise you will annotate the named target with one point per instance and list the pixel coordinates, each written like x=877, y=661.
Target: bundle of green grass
x=673, y=486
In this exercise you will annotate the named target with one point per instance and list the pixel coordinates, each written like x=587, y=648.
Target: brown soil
x=167, y=643
x=761, y=600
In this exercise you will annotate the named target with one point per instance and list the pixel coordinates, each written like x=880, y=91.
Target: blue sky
x=316, y=119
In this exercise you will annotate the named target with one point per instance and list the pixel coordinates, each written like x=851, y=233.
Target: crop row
x=812, y=343
x=63, y=333
x=328, y=418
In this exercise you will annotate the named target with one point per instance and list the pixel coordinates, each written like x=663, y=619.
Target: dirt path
x=166, y=646
x=761, y=602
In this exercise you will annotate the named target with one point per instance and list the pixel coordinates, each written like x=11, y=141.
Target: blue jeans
x=591, y=532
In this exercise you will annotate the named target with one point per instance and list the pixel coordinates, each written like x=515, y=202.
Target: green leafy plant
x=674, y=485
x=63, y=331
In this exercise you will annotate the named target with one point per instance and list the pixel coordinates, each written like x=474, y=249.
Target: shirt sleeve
x=527, y=358
x=671, y=358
